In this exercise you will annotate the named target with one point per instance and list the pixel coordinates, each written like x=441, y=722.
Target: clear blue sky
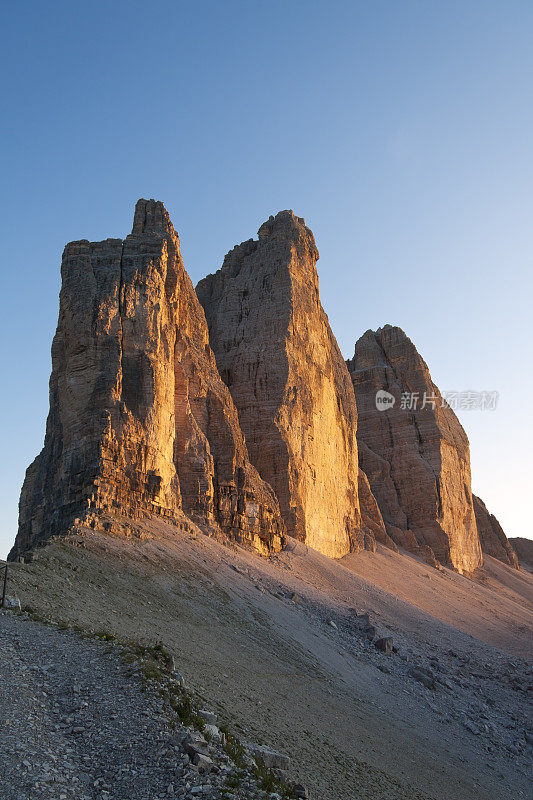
x=401, y=131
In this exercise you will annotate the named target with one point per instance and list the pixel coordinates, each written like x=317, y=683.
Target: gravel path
x=73, y=724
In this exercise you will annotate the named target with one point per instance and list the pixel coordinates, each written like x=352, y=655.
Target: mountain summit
x=140, y=422
x=280, y=360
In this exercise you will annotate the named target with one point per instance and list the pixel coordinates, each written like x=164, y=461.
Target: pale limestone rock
x=417, y=461
x=140, y=422
x=277, y=354
x=493, y=540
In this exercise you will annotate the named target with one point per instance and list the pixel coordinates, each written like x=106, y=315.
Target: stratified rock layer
x=276, y=352
x=140, y=421
x=493, y=540
x=417, y=460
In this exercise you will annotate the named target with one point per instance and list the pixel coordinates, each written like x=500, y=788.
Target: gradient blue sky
x=400, y=130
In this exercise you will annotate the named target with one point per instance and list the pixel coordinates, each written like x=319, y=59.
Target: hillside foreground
x=280, y=647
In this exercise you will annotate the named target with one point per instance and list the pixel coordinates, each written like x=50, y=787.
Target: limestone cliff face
x=493, y=540
x=276, y=352
x=371, y=517
x=417, y=460
x=140, y=421
x=524, y=550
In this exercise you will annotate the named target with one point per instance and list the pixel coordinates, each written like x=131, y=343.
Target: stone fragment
x=196, y=744
x=202, y=762
x=12, y=603
x=178, y=677
x=212, y=731
x=270, y=758
x=300, y=791
x=470, y=726
x=385, y=644
x=414, y=452
x=277, y=354
x=208, y=716
x=423, y=676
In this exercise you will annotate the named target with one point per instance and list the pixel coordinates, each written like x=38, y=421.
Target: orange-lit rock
x=277, y=354
x=417, y=460
x=140, y=422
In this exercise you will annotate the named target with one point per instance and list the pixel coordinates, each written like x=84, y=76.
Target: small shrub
x=233, y=781
x=104, y=636
x=234, y=748
x=186, y=713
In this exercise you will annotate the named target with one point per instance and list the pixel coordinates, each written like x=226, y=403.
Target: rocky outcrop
x=371, y=518
x=524, y=550
x=140, y=422
x=416, y=458
x=276, y=353
x=493, y=540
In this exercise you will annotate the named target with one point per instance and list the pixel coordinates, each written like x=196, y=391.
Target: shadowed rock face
x=372, y=520
x=276, y=353
x=524, y=550
x=417, y=461
x=140, y=421
x=493, y=540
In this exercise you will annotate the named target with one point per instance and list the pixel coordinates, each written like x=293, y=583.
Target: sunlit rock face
x=276, y=353
x=493, y=540
x=140, y=422
x=417, y=460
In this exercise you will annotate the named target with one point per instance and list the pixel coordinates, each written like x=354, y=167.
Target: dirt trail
x=74, y=724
